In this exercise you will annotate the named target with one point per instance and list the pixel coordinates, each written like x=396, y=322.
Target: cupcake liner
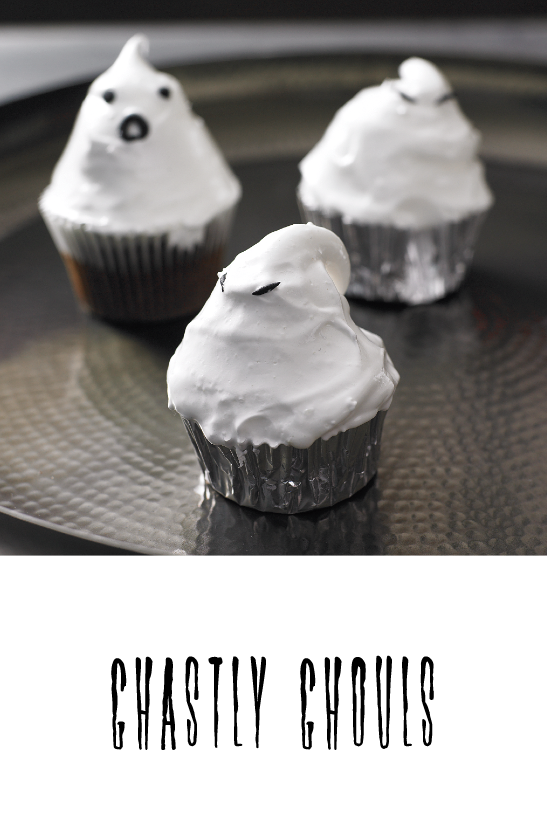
x=287, y=479
x=140, y=277
x=401, y=265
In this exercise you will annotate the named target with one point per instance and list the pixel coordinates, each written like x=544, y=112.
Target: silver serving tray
x=88, y=446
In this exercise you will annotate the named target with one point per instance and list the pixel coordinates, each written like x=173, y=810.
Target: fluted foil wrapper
x=398, y=265
x=140, y=277
x=292, y=480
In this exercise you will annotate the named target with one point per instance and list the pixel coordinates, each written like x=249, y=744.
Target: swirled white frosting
x=173, y=179
x=284, y=364
x=401, y=153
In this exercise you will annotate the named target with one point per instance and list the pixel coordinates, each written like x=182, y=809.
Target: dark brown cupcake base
x=180, y=288
x=140, y=277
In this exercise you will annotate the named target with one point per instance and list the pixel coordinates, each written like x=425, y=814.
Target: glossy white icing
x=138, y=159
x=283, y=364
x=401, y=154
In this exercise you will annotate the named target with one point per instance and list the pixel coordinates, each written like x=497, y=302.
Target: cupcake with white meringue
x=141, y=200
x=397, y=176
x=283, y=396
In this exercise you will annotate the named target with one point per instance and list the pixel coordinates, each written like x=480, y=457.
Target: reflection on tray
x=350, y=527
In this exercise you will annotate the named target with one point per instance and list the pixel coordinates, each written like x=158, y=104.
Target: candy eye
x=444, y=99
x=265, y=289
x=407, y=98
x=164, y=92
x=109, y=96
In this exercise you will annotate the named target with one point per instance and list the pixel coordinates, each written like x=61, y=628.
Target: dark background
x=112, y=10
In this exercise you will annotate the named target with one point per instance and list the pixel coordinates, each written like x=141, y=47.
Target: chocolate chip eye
x=134, y=127
x=407, y=98
x=164, y=92
x=109, y=96
x=221, y=280
x=265, y=289
x=444, y=99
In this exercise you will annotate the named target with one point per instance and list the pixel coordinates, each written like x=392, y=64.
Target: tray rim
x=91, y=537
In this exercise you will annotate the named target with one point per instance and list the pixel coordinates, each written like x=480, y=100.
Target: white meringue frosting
x=274, y=356
x=401, y=154
x=138, y=160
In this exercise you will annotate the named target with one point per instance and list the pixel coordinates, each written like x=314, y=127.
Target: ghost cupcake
x=141, y=200
x=283, y=396
x=396, y=175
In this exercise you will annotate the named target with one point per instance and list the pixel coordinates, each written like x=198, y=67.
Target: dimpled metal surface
x=88, y=446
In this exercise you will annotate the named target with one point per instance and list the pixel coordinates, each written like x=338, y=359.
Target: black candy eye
x=444, y=99
x=109, y=96
x=164, y=92
x=407, y=97
x=265, y=289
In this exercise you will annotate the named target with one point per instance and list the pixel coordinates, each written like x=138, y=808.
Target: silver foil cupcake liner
x=292, y=480
x=140, y=277
x=398, y=265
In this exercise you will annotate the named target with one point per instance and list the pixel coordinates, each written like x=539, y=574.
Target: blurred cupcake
x=141, y=200
x=396, y=176
x=283, y=396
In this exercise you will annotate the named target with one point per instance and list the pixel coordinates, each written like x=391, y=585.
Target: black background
x=112, y=10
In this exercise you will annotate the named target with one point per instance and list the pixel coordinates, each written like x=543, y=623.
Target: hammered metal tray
x=88, y=446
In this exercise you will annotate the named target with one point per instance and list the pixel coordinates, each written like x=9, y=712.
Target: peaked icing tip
x=136, y=48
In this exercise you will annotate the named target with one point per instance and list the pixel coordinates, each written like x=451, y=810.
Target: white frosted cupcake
x=283, y=396
x=141, y=200
x=396, y=175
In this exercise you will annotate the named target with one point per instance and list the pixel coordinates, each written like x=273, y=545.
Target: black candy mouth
x=134, y=127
